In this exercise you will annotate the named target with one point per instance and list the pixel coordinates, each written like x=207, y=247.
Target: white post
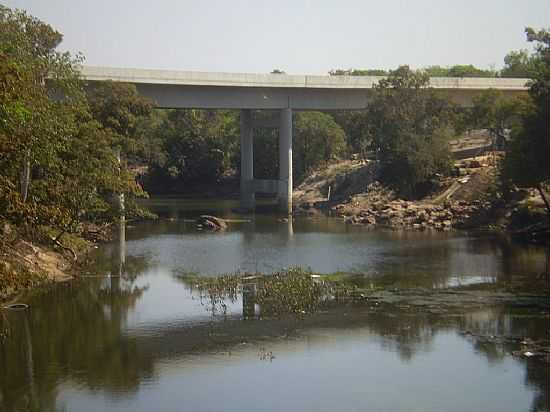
x=247, y=161
x=122, y=221
x=285, y=161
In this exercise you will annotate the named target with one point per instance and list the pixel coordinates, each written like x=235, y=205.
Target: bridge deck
x=202, y=90
x=190, y=78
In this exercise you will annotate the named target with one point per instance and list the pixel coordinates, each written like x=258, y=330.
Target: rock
x=422, y=216
x=369, y=220
x=212, y=222
x=447, y=223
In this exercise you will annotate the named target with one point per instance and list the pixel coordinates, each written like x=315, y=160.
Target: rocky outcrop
x=412, y=215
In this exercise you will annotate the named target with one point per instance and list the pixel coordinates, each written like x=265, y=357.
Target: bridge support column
x=285, y=161
x=247, y=161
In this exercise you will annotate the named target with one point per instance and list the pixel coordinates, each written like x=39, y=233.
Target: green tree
x=517, y=64
x=317, y=138
x=355, y=126
x=358, y=72
x=56, y=162
x=199, y=146
x=459, y=70
x=120, y=108
x=527, y=159
x=494, y=112
x=409, y=130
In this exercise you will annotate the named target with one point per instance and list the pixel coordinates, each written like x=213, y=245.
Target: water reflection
x=76, y=349
x=136, y=338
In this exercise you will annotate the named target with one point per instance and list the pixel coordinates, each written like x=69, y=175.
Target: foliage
x=354, y=124
x=493, y=112
x=464, y=70
x=358, y=72
x=317, y=138
x=198, y=146
x=409, y=130
x=459, y=70
x=291, y=292
x=201, y=146
x=46, y=127
x=119, y=108
x=526, y=162
x=518, y=64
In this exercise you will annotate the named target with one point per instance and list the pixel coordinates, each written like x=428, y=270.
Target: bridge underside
x=270, y=98
x=282, y=93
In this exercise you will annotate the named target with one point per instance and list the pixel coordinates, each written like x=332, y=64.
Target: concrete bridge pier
x=285, y=161
x=282, y=187
x=248, y=199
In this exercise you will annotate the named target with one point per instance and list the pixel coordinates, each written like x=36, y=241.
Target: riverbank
x=35, y=256
x=468, y=200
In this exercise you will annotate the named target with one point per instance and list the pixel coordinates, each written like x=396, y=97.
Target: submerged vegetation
x=299, y=292
x=296, y=291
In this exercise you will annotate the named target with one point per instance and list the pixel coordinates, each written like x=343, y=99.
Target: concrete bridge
x=279, y=92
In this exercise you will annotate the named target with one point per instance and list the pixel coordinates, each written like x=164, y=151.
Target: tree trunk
x=25, y=177
x=545, y=200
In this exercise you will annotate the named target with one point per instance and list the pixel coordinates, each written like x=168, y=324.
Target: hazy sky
x=298, y=36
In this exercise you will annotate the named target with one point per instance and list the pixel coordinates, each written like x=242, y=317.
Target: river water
x=133, y=335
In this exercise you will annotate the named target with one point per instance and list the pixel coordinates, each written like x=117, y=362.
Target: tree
x=493, y=112
x=517, y=64
x=28, y=56
x=527, y=159
x=355, y=126
x=198, y=147
x=120, y=108
x=48, y=139
x=459, y=70
x=409, y=130
x=317, y=138
x=358, y=72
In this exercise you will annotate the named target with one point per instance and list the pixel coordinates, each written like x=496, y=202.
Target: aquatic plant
x=295, y=291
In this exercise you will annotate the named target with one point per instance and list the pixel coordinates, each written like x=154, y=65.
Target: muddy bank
x=34, y=256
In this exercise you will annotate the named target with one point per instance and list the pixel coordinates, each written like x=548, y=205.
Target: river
x=133, y=335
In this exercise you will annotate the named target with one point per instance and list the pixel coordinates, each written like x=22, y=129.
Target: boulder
x=212, y=223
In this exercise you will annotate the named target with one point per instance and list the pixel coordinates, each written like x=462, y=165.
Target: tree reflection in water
x=72, y=332
x=77, y=333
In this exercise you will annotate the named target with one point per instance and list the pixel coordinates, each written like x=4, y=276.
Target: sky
x=297, y=36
